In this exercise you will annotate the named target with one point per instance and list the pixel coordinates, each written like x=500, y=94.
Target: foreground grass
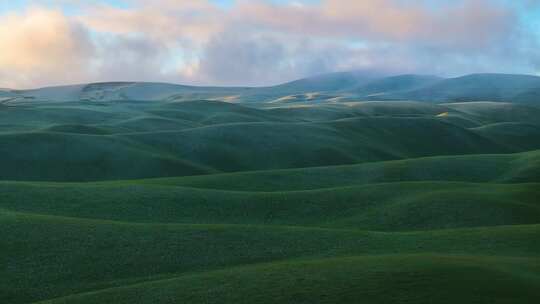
x=406, y=231
x=48, y=256
x=369, y=279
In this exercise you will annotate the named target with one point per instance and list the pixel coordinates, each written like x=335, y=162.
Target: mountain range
x=343, y=86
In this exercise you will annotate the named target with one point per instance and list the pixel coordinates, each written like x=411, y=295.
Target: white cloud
x=42, y=46
x=255, y=43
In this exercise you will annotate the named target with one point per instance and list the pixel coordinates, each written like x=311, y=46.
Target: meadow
x=308, y=192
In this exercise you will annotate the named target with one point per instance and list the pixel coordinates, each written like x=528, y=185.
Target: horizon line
x=384, y=75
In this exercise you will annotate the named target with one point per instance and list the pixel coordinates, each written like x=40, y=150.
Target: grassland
x=91, y=141
x=161, y=241
x=172, y=201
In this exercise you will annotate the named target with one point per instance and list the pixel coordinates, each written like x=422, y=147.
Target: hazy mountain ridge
x=333, y=87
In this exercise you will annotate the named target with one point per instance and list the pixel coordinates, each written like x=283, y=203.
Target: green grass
x=99, y=141
x=232, y=147
x=371, y=279
x=165, y=201
x=521, y=167
x=381, y=207
x=51, y=256
x=113, y=241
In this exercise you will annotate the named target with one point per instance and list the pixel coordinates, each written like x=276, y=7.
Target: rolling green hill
x=375, y=279
x=299, y=193
x=86, y=141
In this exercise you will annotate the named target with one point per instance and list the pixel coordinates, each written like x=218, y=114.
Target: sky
x=260, y=42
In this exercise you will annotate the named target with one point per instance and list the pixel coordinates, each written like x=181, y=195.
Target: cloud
x=251, y=58
x=171, y=21
x=260, y=42
x=234, y=59
x=473, y=23
x=132, y=58
x=42, y=46
x=256, y=47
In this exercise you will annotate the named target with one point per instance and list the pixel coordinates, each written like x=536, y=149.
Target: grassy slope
x=373, y=279
x=165, y=235
x=521, y=167
x=228, y=148
x=385, y=207
x=92, y=141
x=52, y=256
x=446, y=229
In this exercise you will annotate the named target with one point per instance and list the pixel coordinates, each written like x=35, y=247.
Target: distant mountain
x=529, y=96
x=113, y=91
x=477, y=87
x=474, y=87
x=312, y=89
x=333, y=87
x=332, y=82
x=400, y=83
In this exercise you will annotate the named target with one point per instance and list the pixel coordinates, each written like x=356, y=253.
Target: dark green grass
x=78, y=129
x=62, y=156
x=492, y=168
x=153, y=241
x=496, y=112
x=85, y=141
x=382, y=202
x=425, y=193
x=233, y=147
x=383, y=207
x=512, y=134
x=47, y=256
x=373, y=279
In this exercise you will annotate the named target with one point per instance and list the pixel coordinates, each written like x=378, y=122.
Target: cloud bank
x=260, y=42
